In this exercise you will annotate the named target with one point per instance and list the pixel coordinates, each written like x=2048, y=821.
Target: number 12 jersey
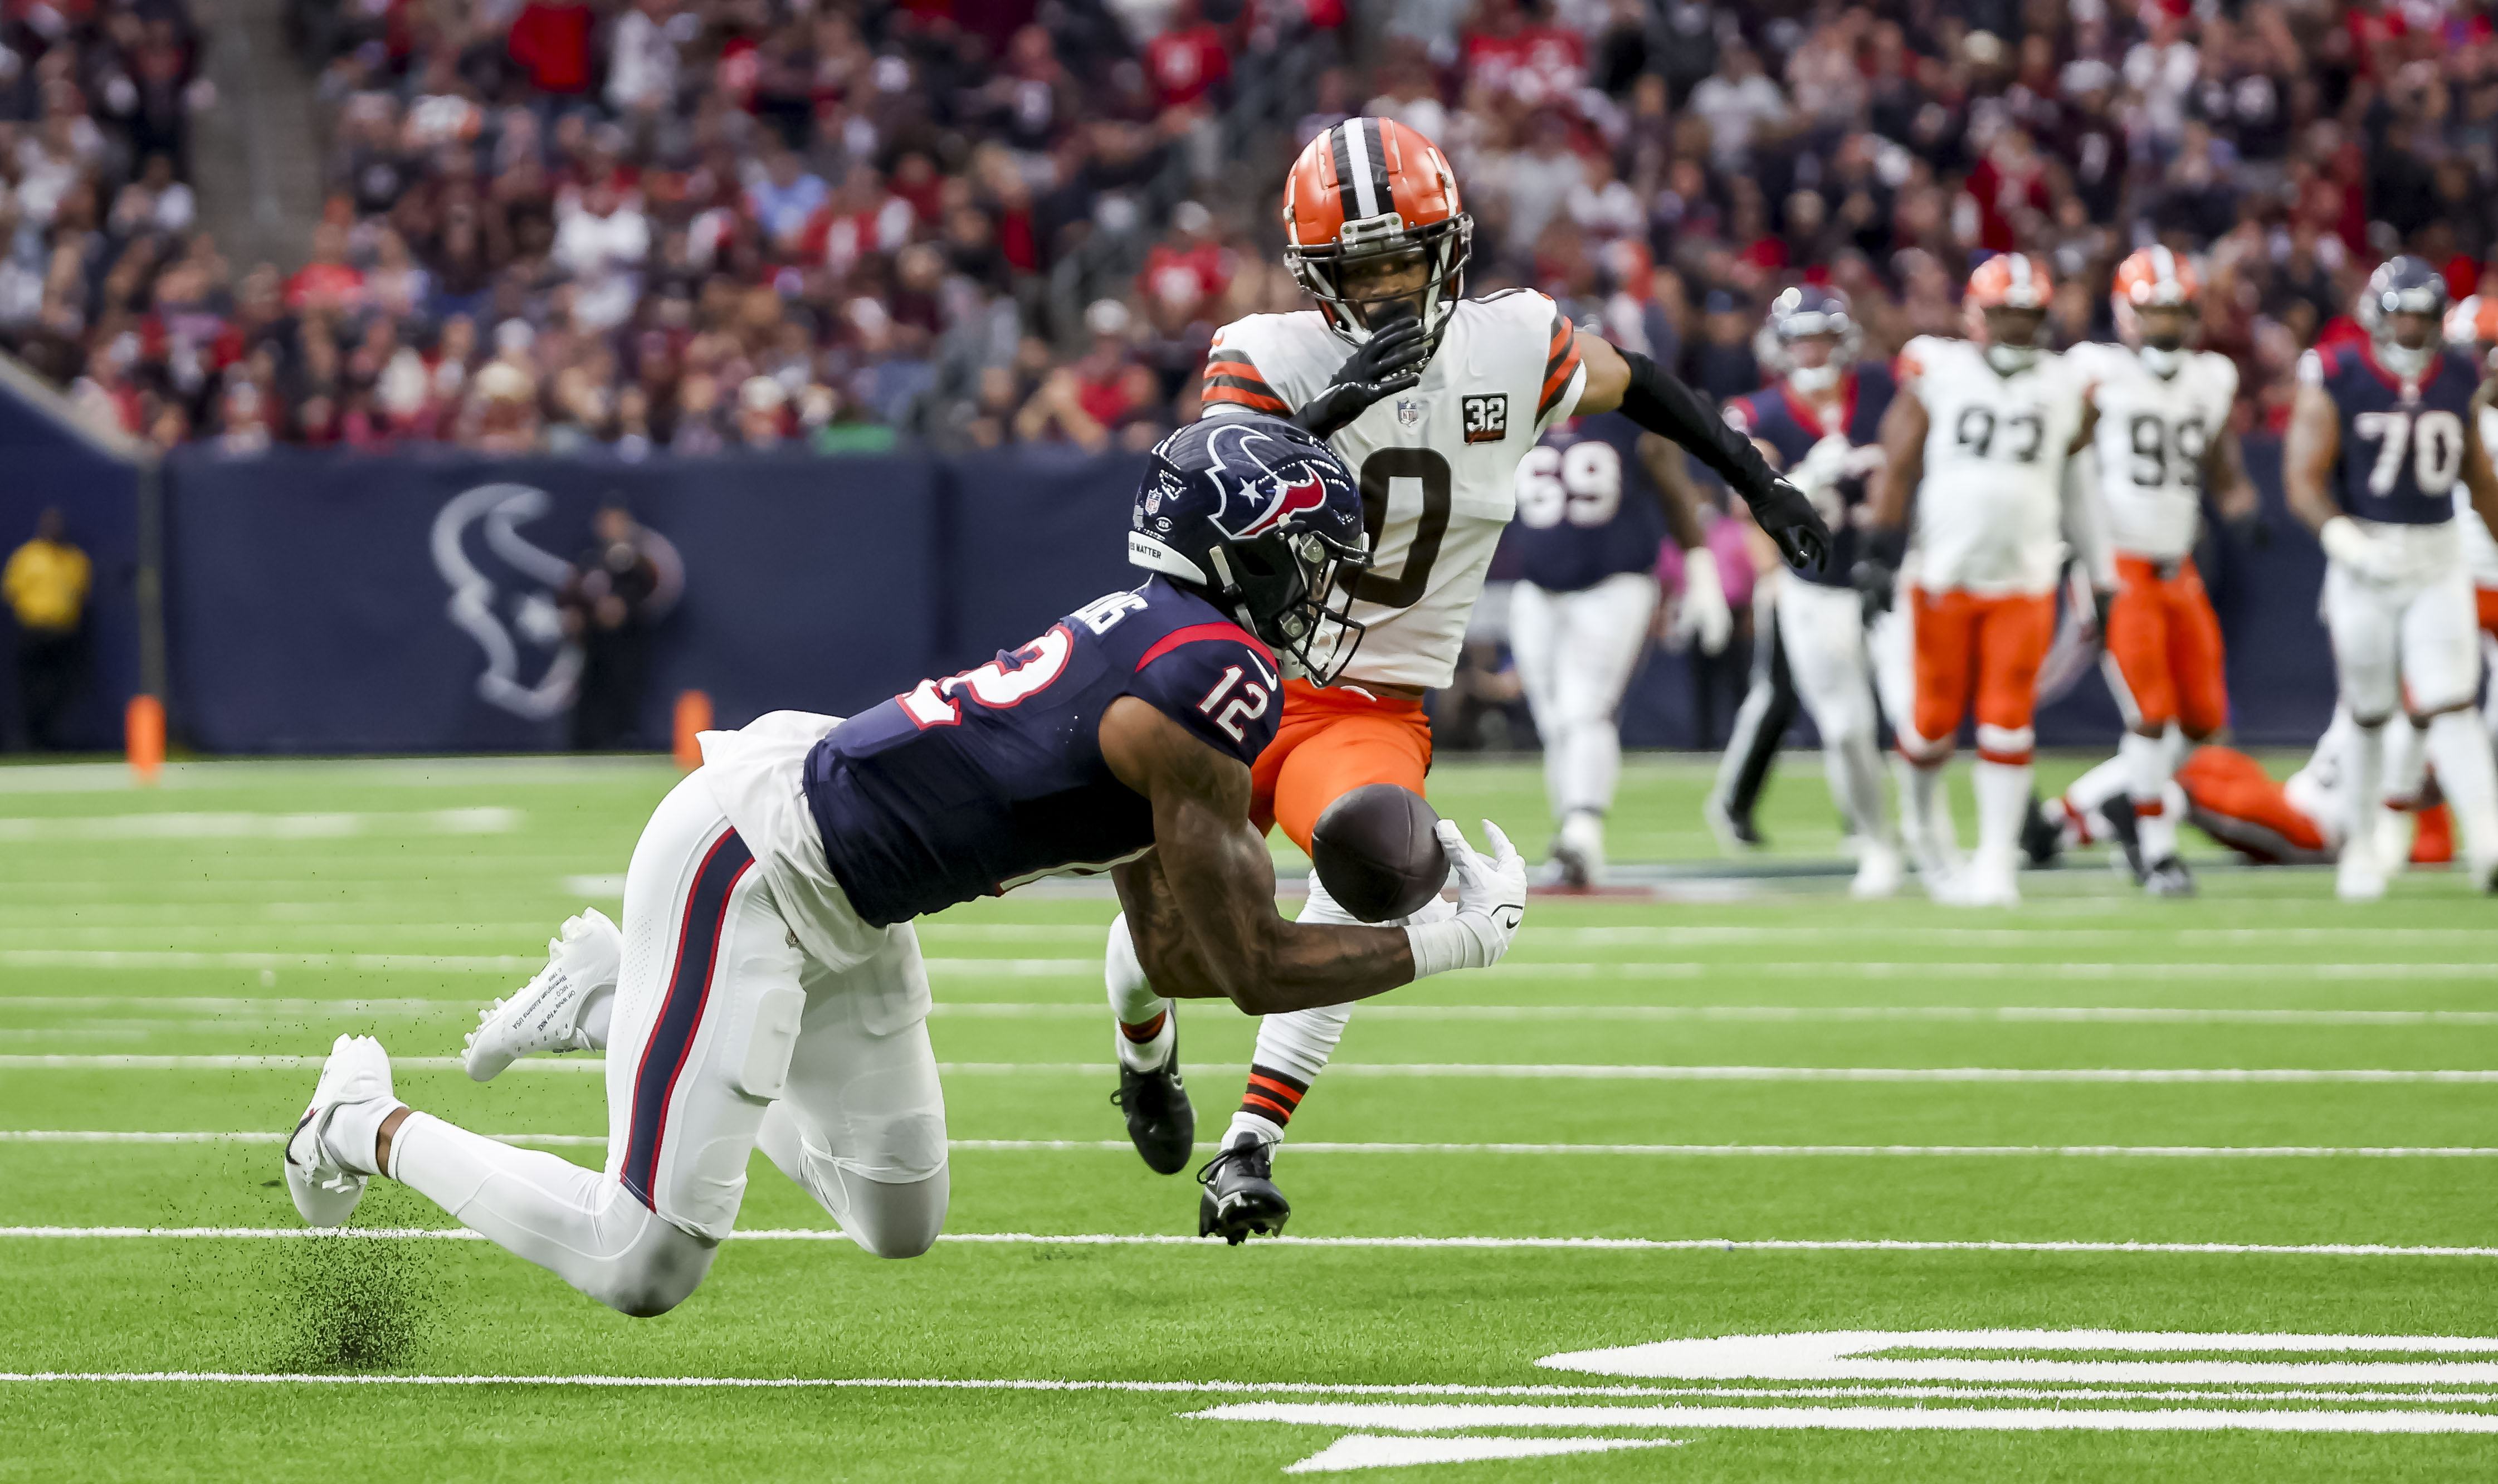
x=1437, y=462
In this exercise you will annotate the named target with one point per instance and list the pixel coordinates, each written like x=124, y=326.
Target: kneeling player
x=770, y=988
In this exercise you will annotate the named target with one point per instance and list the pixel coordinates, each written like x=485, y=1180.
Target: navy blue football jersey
x=1788, y=423
x=1587, y=508
x=2402, y=441
x=966, y=785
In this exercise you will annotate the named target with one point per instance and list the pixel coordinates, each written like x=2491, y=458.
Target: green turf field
x=1744, y=1106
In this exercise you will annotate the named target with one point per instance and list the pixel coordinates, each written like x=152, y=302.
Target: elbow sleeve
x=1659, y=401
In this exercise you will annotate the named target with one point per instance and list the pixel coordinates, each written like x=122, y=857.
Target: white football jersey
x=1990, y=507
x=2152, y=434
x=2477, y=548
x=1437, y=462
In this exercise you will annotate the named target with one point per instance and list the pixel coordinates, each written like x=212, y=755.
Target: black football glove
x=1787, y=514
x=1874, y=581
x=1382, y=366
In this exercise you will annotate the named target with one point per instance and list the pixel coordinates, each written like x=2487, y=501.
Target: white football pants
x=725, y=1035
x=1823, y=629
x=1575, y=653
x=2410, y=645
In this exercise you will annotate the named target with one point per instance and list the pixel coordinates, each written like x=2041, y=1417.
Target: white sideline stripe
x=1704, y=936
x=1321, y=1146
x=1556, y=1071
x=1247, y=1388
x=1010, y=1010
x=1849, y=1419
x=1483, y=1243
x=258, y=826
x=1091, y=967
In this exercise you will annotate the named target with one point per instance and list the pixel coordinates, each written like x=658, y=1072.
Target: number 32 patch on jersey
x=1486, y=417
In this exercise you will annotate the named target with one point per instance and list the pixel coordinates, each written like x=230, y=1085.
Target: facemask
x=1814, y=378
x=2008, y=359
x=2404, y=361
x=2163, y=363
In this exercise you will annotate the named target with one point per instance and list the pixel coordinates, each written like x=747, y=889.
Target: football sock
x=1145, y=1027
x=2002, y=800
x=2367, y=754
x=2459, y=744
x=2147, y=767
x=1294, y=1048
x=354, y=1129
x=2406, y=762
x=598, y=1015
x=1926, y=820
x=578, y=1223
x=1854, y=765
x=2095, y=789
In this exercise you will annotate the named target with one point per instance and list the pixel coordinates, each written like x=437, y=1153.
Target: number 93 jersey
x=2402, y=441
x=1586, y=507
x=2152, y=436
x=1437, y=462
x=1990, y=506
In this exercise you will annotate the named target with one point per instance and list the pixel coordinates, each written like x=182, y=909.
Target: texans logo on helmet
x=1308, y=493
x=1277, y=476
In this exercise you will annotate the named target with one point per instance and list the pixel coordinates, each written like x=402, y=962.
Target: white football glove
x=1822, y=466
x=1491, y=901
x=2345, y=544
x=1702, y=616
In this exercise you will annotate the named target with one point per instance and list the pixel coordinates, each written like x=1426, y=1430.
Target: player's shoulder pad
x=1924, y=354
x=2223, y=372
x=1217, y=680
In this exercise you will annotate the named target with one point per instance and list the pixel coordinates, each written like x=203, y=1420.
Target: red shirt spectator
x=1538, y=64
x=551, y=41
x=1187, y=60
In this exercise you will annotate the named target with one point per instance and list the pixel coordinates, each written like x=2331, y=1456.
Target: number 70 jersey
x=1437, y=462
x=2402, y=440
x=1990, y=500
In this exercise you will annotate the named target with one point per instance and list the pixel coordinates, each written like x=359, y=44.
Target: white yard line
x=1321, y=1146
x=1561, y=1071
x=1265, y=1388
x=1414, y=1244
x=1400, y=1418
x=1010, y=1010
x=151, y=825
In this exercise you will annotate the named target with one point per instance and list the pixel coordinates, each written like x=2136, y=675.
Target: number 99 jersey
x=1990, y=502
x=1437, y=462
x=1585, y=507
x=2152, y=436
x=2402, y=441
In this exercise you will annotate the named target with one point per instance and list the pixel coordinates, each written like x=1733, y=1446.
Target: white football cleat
x=1878, y=869
x=545, y=1014
x=2357, y=876
x=1988, y=881
x=325, y=1190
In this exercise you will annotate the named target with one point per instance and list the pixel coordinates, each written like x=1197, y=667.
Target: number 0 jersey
x=2402, y=441
x=1990, y=502
x=1437, y=462
x=2153, y=432
x=966, y=785
x=1586, y=509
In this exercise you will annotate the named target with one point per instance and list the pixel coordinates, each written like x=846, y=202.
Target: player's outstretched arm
x=1201, y=906
x=1703, y=616
x=1656, y=400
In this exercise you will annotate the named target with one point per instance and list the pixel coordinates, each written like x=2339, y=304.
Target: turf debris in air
x=347, y=1303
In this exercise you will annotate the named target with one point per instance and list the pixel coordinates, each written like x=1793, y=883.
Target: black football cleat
x=2119, y=814
x=2168, y=877
x=1238, y=1197
x=1161, y=1122
x=2041, y=839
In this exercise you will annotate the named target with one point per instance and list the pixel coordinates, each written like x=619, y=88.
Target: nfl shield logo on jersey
x=1408, y=411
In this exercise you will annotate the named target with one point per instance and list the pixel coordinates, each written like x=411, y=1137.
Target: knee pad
x=895, y=1219
x=656, y=1272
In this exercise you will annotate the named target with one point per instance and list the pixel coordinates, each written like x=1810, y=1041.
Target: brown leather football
x=1376, y=854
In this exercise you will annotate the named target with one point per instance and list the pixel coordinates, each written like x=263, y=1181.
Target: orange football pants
x=2165, y=640
x=1333, y=741
x=1988, y=650
x=2488, y=602
x=2227, y=781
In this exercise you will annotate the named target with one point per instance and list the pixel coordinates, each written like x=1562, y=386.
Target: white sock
x=354, y=1129
x=2147, y=768
x=1854, y=765
x=2459, y=744
x=1132, y=1002
x=1925, y=814
x=598, y=1015
x=2406, y=762
x=2367, y=754
x=2002, y=800
x=2100, y=787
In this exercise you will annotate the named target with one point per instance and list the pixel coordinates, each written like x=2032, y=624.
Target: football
x=1376, y=852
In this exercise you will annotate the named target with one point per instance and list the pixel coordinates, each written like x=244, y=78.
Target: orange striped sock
x=1272, y=1095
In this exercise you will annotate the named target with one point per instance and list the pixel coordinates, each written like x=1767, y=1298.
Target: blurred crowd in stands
x=702, y=225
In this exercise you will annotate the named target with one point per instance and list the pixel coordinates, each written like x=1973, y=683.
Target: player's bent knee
x=898, y=1220
x=657, y=1271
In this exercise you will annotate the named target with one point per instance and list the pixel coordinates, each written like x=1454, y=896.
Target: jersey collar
x=1809, y=418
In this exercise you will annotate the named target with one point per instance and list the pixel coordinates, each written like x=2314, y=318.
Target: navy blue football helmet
x=1801, y=312
x=1260, y=518
x=2403, y=285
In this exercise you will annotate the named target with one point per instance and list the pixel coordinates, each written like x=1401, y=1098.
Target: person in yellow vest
x=46, y=583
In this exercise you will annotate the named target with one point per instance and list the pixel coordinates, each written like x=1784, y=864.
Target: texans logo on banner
x=504, y=596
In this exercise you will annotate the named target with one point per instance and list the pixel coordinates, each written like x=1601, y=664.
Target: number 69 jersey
x=2152, y=436
x=1437, y=462
x=2402, y=441
x=1586, y=509
x=1990, y=505
x=966, y=785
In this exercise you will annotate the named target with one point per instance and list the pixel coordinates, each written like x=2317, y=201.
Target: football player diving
x=766, y=986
